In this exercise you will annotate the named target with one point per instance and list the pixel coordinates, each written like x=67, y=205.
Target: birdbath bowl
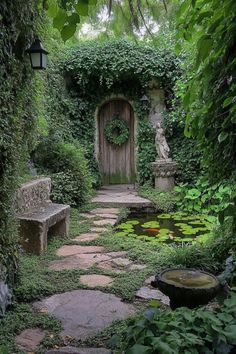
x=187, y=287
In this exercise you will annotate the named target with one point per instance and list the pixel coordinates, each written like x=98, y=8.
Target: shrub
x=66, y=165
x=163, y=201
x=184, y=331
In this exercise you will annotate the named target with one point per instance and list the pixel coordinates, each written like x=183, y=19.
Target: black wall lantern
x=38, y=55
x=145, y=101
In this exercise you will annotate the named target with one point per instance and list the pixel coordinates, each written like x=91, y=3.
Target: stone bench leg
x=61, y=228
x=33, y=236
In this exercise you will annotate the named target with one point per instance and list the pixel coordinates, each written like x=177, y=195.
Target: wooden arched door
x=117, y=163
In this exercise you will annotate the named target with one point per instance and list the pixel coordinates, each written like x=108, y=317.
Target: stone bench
x=38, y=216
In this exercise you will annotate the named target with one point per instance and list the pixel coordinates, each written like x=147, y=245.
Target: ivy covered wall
x=93, y=71
x=17, y=114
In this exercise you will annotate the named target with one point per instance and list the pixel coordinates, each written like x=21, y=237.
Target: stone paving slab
x=73, y=350
x=122, y=262
x=105, y=211
x=98, y=229
x=29, y=339
x=117, y=254
x=84, y=313
x=104, y=222
x=129, y=198
x=110, y=266
x=86, y=237
x=81, y=261
x=107, y=216
x=87, y=215
x=93, y=280
x=149, y=294
x=70, y=250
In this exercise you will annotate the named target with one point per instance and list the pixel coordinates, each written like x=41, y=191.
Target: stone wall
x=32, y=194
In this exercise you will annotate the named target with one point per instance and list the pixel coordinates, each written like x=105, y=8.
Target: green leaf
x=74, y=19
x=82, y=8
x=52, y=8
x=138, y=349
x=67, y=32
x=60, y=19
x=228, y=101
x=204, y=47
x=183, y=7
x=222, y=136
x=230, y=332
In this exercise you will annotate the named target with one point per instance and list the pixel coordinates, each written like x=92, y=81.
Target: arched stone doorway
x=117, y=163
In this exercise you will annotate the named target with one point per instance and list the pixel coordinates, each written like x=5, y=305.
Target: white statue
x=161, y=143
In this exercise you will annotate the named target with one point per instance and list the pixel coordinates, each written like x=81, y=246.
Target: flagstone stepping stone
x=122, y=262
x=149, y=294
x=149, y=280
x=117, y=254
x=110, y=266
x=29, y=339
x=86, y=237
x=81, y=261
x=105, y=211
x=104, y=222
x=98, y=229
x=70, y=250
x=73, y=350
x=87, y=215
x=121, y=198
x=93, y=280
x=107, y=216
x=84, y=313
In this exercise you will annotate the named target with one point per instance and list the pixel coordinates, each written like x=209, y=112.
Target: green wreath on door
x=117, y=131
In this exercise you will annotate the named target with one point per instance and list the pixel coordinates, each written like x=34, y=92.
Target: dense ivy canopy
x=117, y=62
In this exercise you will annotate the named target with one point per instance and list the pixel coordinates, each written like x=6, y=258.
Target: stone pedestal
x=164, y=171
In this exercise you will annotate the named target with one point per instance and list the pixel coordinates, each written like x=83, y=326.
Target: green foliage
x=17, y=115
x=183, y=150
x=94, y=70
x=163, y=201
x=210, y=26
x=65, y=163
x=67, y=14
x=206, y=198
x=183, y=331
x=147, y=151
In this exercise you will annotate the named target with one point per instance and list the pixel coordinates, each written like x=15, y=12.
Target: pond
x=169, y=228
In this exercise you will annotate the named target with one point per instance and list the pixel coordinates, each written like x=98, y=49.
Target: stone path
x=121, y=198
x=86, y=312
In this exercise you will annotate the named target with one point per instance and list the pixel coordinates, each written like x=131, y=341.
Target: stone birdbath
x=187, y=287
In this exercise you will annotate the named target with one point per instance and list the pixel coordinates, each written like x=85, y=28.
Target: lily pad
x=121, y=233
x=132, y=222
x=151, y=224
x=164, y=216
